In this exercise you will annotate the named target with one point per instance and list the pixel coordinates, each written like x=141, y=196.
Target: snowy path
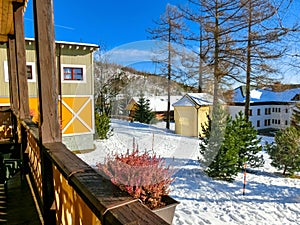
x=270, y=199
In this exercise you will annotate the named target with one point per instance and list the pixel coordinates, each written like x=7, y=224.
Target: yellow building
x=76, y=89
x=190, y=112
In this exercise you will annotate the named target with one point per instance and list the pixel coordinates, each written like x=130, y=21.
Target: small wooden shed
x=190, y=112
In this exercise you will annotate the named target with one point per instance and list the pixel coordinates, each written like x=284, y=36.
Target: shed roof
x=195, y=99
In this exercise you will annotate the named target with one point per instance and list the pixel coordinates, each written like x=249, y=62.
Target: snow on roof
x=262, y=95
x=192, y=99
x=160, y=103
x=69, y=43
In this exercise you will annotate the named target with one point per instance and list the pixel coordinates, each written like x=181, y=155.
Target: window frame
x=73, y=66
x=33, y=72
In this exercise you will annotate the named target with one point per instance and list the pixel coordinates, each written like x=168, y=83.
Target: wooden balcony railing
x=76, y=193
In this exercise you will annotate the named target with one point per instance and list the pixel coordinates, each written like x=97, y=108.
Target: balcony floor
x=17, y=205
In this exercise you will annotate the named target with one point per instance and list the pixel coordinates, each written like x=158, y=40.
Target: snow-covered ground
x=269, y=199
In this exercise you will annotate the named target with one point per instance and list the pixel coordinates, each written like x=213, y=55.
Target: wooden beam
x=47, y=85
x=12, y=72
x=49, y=126
x=21, y=61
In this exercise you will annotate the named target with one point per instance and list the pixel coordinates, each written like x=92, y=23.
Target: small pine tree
x=285, y=152
x=295, y=121
x=143, y=113
x=238, y=145
x=247, y=141
x=220, y=155
x=102, y=124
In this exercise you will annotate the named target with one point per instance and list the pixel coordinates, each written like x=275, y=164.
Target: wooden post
x=21, y=60
x=49, y=127
x=12, y=73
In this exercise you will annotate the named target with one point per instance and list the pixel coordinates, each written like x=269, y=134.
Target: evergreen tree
x=219, y=152
x=295, y=121
x=247, y=141
x=143, y=112
x=102, y=124
x=285, y=152
x=227, y=153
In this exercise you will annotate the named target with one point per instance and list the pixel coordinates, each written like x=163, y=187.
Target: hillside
x=116, y=85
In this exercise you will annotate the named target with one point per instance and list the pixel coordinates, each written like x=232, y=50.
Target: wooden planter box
x=167, y=212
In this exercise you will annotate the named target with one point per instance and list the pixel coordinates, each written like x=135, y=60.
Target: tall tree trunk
x=200, y=79
x=216, y=59
x=248, y=69
x=169, y=79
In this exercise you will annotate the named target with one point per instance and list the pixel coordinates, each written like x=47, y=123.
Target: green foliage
x=225, y=153
x=285, y=152
x=247, y=141
x=102, y=124
x=143, y=112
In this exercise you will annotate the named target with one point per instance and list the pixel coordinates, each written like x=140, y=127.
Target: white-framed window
x=30, y=72
x=73, y=73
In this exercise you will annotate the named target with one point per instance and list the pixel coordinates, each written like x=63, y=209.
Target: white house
x=268, y=109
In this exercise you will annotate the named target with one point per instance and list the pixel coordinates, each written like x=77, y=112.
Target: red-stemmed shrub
x=142, y=175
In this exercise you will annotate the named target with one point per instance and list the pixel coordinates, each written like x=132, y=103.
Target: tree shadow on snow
x=190, y=176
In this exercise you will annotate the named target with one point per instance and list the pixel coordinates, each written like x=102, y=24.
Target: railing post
x=49, y=126
x=20, y=55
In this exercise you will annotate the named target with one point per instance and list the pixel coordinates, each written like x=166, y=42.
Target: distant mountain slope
x=116, y=85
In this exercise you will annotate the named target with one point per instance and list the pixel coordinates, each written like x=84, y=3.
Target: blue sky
x=118, y=25
x=111, y=23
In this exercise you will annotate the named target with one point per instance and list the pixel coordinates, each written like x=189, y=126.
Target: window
x=267, y=111
x=73, y=73
x=258, y=112
x=266, y=123
x=269, y=122
x=250, y=112
x=258, y=123
x=286, y=122
x=287, y=110
x=278, y=122
x=273, y=110
x=30, y=72
x=279, y=109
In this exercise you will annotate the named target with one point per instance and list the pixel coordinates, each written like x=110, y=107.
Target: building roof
x=195, y=99
x=63, y=44
x=157, y=103
x=262, y=95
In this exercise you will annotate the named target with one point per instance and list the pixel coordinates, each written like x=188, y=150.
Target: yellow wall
x=185, y=121
x=77, y=104
x=203, y=111
x=188, y=121
x=77, y=113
